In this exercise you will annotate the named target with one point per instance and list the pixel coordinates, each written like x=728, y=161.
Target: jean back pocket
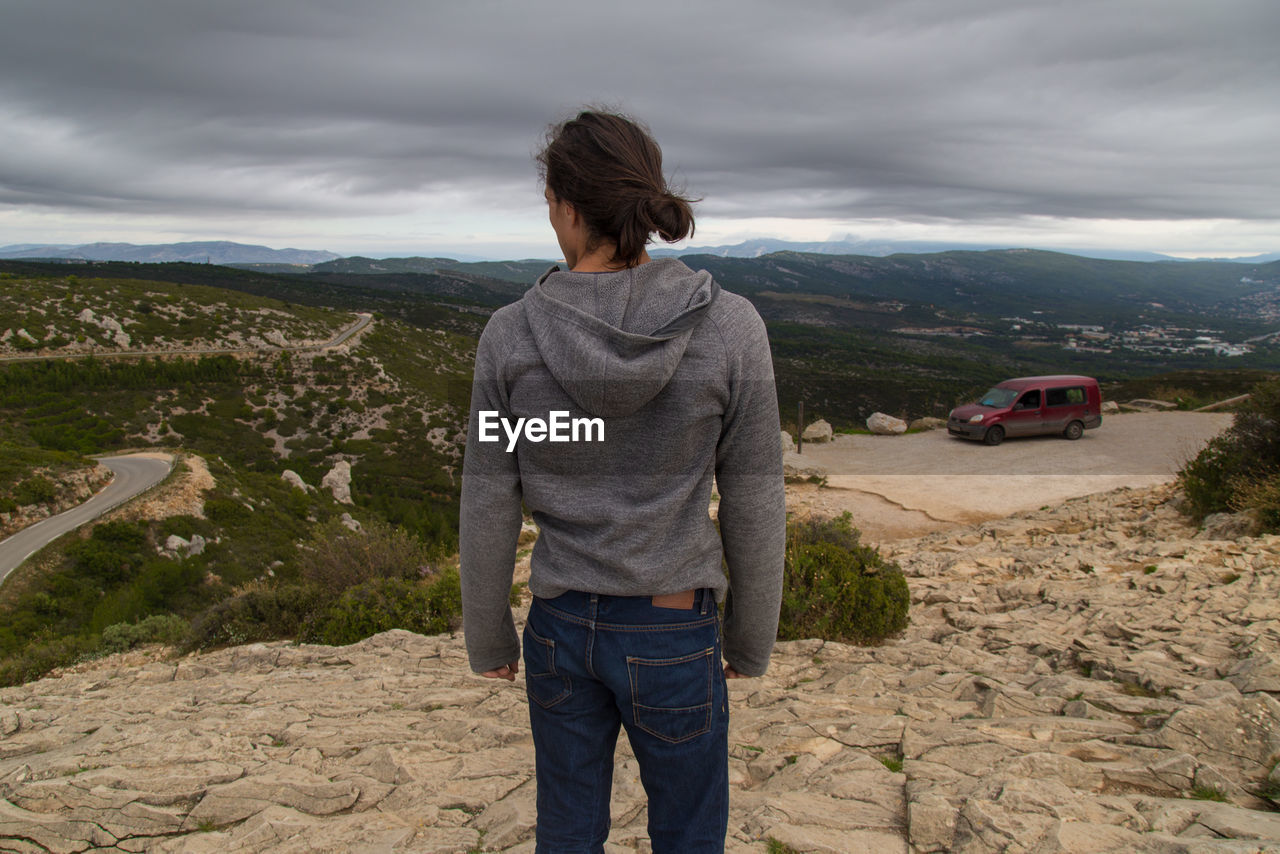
x=543, y=684
x=671, y=697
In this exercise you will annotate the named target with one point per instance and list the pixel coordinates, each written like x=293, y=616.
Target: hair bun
x=669, y=215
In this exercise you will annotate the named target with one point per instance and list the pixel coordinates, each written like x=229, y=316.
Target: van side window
x=1030, y=400
x=1065, y=396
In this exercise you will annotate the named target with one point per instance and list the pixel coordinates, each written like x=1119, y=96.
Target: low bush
x=1240, y=469
x=312, y=614
x=113, y=552
x=158, y=628
x=1261, y=495
x=227, y=510
x=382, y=604
x=39, y=657
x=1207, y=479
x=256, y=615
x=159, y=586
x=338, y=558
x=35, y=490
x=837, y=589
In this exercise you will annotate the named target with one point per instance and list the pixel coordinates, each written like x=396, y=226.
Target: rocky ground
x=1094, y=677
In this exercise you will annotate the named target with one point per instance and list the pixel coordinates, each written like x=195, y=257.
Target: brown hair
x=610, y=169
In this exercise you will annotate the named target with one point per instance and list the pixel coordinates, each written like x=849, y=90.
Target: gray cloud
x=914, y=109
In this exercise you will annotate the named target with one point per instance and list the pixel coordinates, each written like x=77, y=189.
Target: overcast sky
x=390, y=127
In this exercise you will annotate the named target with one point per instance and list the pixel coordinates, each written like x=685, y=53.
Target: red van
x=1031, y=406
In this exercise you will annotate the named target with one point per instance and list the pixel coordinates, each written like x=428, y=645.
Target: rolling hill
x=397, y=393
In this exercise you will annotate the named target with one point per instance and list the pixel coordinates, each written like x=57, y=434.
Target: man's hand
x=506, y=671
x=730, y=673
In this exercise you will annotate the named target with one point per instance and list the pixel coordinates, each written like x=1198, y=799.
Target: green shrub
x=183, y=526
x=38, y=658
x=1240, y=469
x=256, y=615
x=835, y=588
x=158, y=586
x=35, y=490
x=227, y=511
x=113, y=552
x=127, y=535
x=338, y=558
x=158, y=628
x=1207, y=479
x=1260, y=494
x=382, y=604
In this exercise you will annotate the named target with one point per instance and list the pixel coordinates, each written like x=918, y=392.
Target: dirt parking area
x=906, y=486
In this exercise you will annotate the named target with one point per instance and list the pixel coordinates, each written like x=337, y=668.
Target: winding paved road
x=133, y=475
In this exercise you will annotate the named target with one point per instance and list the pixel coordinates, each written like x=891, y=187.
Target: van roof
x=1028, y=382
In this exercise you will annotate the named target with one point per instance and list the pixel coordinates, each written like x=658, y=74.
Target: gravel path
x=906, y=486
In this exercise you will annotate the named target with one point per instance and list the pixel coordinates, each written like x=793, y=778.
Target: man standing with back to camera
x=624, y=629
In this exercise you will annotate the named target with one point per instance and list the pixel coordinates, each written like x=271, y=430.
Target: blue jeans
x=593, y=662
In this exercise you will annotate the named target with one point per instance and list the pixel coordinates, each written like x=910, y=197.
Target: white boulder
x=338, y=481
x=886, y=425
x=197, y=545
x=116, y=331
x=295, y=480
x=818, y=431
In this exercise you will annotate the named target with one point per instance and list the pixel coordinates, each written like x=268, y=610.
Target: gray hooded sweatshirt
x=679, y=375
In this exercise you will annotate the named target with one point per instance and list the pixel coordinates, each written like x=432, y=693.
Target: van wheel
x=994, y=436
x=1074, y=430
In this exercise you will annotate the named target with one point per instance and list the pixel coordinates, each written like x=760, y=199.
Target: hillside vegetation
x=61, y=316
x=1239, y=471
x=393, y=406
x=911, y=335
x=1005, y=282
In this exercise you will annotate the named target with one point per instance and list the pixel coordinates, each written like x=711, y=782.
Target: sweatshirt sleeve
x=489, y=523
x=753, y=517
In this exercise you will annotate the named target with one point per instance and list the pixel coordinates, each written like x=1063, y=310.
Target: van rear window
x=1065, y=396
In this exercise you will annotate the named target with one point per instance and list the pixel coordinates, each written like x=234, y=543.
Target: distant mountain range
x=200, y=252
x=882, y=248
x=229, y=253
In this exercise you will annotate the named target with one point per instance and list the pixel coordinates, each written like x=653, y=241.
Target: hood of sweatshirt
x=613, y=340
